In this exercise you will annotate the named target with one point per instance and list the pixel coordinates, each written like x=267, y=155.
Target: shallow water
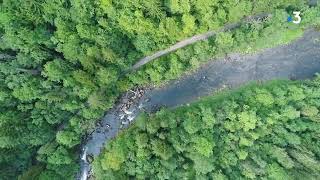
x=298, y=60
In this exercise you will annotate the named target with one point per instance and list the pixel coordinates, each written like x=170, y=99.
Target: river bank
x=298, y=60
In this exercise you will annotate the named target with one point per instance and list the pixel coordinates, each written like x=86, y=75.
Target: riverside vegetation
x=62, y=64
x=266, y=131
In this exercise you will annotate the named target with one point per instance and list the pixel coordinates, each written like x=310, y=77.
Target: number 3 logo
x=297, y=17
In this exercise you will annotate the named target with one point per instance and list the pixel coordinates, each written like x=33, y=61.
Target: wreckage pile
x=128, y=106
x=125, y=111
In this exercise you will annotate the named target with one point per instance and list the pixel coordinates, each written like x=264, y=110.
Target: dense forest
x=63, y=64
x=266, y=131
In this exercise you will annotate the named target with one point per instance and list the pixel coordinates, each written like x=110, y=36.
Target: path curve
x=196, y=38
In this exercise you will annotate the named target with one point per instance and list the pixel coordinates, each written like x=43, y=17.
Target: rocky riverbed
x=298, y=60
x=119, y=117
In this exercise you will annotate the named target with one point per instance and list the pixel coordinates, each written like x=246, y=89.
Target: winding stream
x=298, y=60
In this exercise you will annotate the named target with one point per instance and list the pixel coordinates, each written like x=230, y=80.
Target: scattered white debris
x=84, y=154
x=84, y=175
x=127, y=112
x=124, y=122
x=131, y=118
x=122, y=116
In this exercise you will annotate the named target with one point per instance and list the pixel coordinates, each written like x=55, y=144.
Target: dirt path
x=195, y=39
x=298, y=60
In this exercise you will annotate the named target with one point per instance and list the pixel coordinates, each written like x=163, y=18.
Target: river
x=298, y=60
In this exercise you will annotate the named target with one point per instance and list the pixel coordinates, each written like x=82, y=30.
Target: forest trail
x=297, y=60
x=196, y=38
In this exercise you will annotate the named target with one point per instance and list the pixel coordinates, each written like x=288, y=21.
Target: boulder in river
x=90, y=158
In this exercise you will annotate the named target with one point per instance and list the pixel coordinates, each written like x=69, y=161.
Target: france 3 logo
x=296, y=19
